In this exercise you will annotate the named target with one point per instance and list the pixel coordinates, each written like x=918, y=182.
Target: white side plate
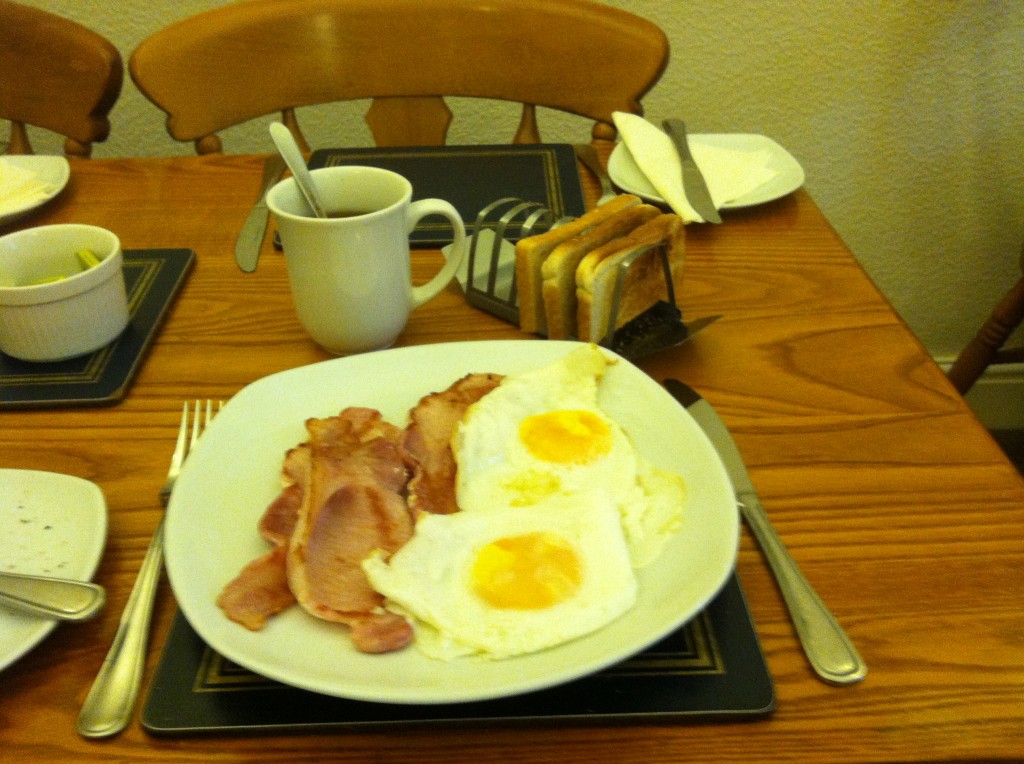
x=51, y=525
x=53, y=171
x=790, y=175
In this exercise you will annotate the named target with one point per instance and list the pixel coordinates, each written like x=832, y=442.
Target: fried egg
x=498, y=583
x=542, y=433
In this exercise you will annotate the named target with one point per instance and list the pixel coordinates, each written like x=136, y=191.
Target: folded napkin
x=729, y=173
x=20, y=188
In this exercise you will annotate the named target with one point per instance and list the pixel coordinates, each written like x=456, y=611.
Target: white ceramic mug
x=350, y=276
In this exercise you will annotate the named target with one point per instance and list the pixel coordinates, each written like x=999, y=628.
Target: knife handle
x=250, y=238
x=58, y=598
x=828, y=648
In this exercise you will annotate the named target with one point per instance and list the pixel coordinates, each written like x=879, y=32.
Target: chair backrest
x=57, y=75
x=246, y=60
x=987, y=347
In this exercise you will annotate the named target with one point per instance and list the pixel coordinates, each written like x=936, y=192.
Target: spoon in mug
x=58, y=598
x=289, y=150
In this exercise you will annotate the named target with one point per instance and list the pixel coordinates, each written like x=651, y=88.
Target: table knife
x=694, y=186
x=829, y=650
x=250, y=238
x=58, y=598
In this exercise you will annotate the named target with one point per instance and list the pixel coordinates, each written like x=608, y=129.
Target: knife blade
x=828, y=648
x=250, y=238
x=694, y=185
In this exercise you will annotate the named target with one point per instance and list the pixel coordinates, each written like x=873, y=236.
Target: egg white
x=496, y=469
x=430, y=579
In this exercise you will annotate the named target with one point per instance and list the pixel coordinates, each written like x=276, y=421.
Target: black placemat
x=152, y=279
x=710, y=668
x=471, y=177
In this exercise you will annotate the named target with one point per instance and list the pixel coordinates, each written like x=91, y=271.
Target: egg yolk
x=528, y=572
x=566, y=437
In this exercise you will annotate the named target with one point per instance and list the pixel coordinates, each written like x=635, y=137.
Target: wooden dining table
x=897, y=504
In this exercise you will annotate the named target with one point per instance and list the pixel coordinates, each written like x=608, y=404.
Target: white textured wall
x=907, y=117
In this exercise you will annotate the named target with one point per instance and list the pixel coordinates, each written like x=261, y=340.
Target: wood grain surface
x=897, y=504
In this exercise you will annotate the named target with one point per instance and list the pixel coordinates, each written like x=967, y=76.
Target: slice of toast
x=645, y=280
x=559, y=268
x=533, y=250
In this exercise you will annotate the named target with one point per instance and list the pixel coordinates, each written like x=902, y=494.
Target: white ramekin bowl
x=78, y=314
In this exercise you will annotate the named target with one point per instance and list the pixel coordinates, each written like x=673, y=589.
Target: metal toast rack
x=490, y=283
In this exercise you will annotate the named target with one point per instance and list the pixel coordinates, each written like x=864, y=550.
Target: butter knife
x=694, y=186
x=250, y=238
x=829, y=650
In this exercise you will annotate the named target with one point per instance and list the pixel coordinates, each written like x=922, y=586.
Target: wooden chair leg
x=527, y=131
x=984, y=348
x=75, y=148
x=19, y=140
x=413, y=121
x=209, y=144
x=292, y=123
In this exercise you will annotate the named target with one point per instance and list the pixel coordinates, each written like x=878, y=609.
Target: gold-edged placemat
x=153, y=278
x=712, y=667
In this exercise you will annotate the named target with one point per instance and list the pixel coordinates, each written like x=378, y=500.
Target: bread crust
x=645, y=279
x=559, y=269
x=532, y=251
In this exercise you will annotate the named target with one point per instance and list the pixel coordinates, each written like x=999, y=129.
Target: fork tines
x=187, y=438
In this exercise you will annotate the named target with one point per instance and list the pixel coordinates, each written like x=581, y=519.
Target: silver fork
x=109, y=706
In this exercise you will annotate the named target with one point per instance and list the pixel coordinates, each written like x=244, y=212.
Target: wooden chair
x=987, y=346
x=57, y=75
x=246, y=60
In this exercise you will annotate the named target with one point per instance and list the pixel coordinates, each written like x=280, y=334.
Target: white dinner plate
x=52, y=171
x=789, y=174
x=51, y=525
x=234, y=472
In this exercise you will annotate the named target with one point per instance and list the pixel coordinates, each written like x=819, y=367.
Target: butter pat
x=87, y=258
x=46, y=280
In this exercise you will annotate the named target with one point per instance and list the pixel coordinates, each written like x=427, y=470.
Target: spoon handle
x=60, y=598
x=289, y=149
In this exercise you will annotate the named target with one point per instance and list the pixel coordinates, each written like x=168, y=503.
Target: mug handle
x=420, y=209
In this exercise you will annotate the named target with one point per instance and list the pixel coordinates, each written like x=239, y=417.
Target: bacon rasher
x=348, y=492
x=428, y=440
x=352, y=504
x=347, y=499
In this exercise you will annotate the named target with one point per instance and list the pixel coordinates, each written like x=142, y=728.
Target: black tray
x=712, y=667
x=471, y=177
x=153, y=278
